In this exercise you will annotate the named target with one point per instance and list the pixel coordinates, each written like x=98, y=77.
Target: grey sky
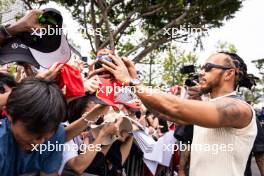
x=245, y=31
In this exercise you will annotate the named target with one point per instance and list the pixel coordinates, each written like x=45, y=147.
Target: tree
x=172, y=64
x=225, y=46
x=149, y=72
x=256, y=92
x=4, y=5
x=137, y=27
x=259, y=63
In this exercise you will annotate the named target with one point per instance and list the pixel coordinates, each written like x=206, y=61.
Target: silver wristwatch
x=134, y=82
x=4, y=31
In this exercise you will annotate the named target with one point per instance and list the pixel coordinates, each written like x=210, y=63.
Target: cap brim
x=125, y=98
x=61, y=55
x=14, y=50
x=102, y=101
x=129, y=105
x=9, y=58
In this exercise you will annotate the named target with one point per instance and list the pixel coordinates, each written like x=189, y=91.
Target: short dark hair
x=39, y=104
x=77, y=107
x=6, y=79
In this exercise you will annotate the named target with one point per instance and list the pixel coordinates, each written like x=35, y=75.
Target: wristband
x=89, y=122
x=134, y=82
x=4, y=31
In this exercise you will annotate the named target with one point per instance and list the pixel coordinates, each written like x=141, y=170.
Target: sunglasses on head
x=208, y=66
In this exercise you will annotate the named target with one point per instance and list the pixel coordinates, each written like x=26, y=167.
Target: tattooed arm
x=233, y=113
x=225, y=112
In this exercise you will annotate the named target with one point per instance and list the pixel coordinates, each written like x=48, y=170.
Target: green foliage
x=253, y=95
x=11, y=69
x=153, y=17
x=259, y=65
x=124, y=47
x=173, y=62
x=225, y=46
x=256, y=92
x=151, y=68
x=5, y=4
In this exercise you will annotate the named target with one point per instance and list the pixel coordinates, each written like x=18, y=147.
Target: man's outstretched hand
x=131, y=67
x=122, y=69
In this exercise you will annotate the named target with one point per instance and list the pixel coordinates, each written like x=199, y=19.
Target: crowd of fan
x=37, y=119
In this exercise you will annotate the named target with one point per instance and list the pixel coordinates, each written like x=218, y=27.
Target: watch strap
x=134, y=82
x=4, y=31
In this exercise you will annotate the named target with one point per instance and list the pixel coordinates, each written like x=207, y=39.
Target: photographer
x=223, y=121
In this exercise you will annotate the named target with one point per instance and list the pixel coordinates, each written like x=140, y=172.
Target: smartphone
x=100, y=58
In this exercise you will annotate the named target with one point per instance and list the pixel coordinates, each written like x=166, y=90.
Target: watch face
x=135, y=81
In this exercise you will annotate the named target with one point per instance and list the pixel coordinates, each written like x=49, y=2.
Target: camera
x=192, y=75
x=103, y=54
x=100, y=58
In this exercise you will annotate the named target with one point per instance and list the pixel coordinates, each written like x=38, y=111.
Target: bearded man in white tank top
x=225, y=127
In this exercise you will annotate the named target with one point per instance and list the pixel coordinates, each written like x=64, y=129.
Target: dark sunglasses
x=208, y=66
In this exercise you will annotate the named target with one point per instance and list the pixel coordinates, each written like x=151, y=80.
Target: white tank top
x=222, y=151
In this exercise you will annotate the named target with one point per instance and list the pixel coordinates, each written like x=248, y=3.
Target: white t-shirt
x=70, y=151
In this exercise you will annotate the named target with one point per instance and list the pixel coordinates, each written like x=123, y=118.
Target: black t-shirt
x=184, y=133
x=97, y=166
x=163, y=123
x=114, y=156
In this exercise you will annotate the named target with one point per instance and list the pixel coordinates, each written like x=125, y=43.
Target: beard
x=206, y=90
x=212, y=85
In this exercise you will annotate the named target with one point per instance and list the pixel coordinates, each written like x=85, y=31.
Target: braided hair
x=242, y=79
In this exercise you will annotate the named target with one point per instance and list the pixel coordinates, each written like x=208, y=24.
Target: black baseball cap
x=49, y=49
x=14, y=50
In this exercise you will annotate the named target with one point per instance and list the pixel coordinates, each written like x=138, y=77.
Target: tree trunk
x=150, y=69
